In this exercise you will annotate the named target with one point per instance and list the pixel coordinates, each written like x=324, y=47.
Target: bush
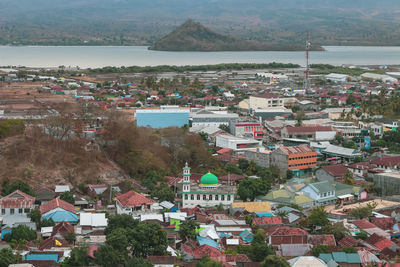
x=11, y=127
x=21, y=232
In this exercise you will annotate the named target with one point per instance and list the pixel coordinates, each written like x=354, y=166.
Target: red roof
x=379, y=241
x=62, y=228
x=224, y=150
x=17, y=199
x=308, y=129
x=364, y=224
x=206, y=250
x=328, y=240
x=56, y=203
x=383, y=223
x=51, y=243
x=133, y=199
x=362, y=166
x=286, y=230
x=348, y=241
x=268, y=220
x=289, y=150
x=387, y=161
x=91, y=250
x=335, y=170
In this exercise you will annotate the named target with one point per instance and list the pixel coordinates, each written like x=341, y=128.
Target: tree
x=274, y=261
x=187, y=229
x=21, y=232
x=136, y=262
x=259, y=248
x=318, y=217
x=47, y=223
x=70, y=237
x=107, y=256
x=363, y=212
x=243, y=164
x=118, y=240
x=339, y=138
x=207, y=262
x=318, y=249
x=225, y=128
x=349, y=250
x=7, y=188
x=35, y=216
x=78, y=257
x=120, y=221
x=7, y=257
x=68, y=197
x=233, y=168
x=147, y=239
x=336, y=229
x=251, y=188
x=163, y=193
x=362, y=235
x=348, y=178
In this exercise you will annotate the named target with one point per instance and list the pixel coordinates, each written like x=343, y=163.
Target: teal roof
x=340, y=257
x=326, y=257
x=62, y=216
x=322, y=187
x=343, y=189
x=209, y=179
x=41, y=257
x=353, y=258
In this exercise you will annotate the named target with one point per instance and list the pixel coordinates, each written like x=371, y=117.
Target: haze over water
x=101, y=56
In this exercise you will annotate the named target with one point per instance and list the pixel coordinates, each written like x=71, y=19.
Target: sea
x=101, y=56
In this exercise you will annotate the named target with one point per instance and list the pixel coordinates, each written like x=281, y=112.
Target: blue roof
x=3, y=233
x=340, y=257
x=207, y=241
x=41, y=257
x=326, y=257
x=225, y=234
x=264, y=214
x=246, y=236
x=62, y=216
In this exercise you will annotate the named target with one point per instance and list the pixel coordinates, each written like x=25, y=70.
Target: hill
x=192, y=36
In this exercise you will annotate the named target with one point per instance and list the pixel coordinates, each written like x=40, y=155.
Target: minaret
x=186, y=178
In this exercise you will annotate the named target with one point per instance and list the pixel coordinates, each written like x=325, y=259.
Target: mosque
x=208, y=193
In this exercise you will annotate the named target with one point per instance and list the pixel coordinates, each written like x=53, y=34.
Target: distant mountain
x=143, y=22
x=192, y=36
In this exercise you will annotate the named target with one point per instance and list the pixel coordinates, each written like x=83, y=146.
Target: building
x=347, y=129
x=387, y=163
x=387, y=182
x=302, y=261
x=378, y=77
x=286, y=235
x=266, y=101
x=331, y=172
x=209, y=118
x=260, y=156
x=59, y=211
x=247, y=129
x=166, y=116
x=236, y=143
x=208, y=193
x=271, y=77
x=321, y=192
x=336, y=113
x=15, y=207
x=133, y=203
x=337, y=78
x=338, y=154
x=309, y=132
x=298, y=159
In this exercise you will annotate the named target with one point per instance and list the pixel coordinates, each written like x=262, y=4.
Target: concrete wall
x=387, y=184
x=279, y=159
x=323, y=175
x=260, y=158
x=205, y=201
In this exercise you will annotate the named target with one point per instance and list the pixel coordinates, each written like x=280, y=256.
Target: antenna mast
x=307, y=71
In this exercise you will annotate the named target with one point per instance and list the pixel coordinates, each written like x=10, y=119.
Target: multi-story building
x=206, y=118
x=236, y=143
x=208, y=193
x=309, y=132
x=298, y=159
x=247, y=128
x=15, y=207
x=347, y=129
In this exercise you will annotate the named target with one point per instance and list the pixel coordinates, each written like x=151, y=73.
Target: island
x=193, y=36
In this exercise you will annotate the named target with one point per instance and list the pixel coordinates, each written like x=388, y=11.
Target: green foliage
x=7, y=188
x=136, y=262
x=70, y=237
x=318, y=217
x=289, y=174
x=336, y=229
x=203, y=136
x=318, y=249
x=259, y=248
x=207, y=262
x=339, y=138
x=348, y=178
x=349, y=250
x=163, y=193
x=78, y=257
x=251, y=188
x=187, y=229
x=47, y=223
x=274, y=261
x=35, y=216
x=363, y=212
x=120, y=221
x=107, y=256
x=349, y=144
x=243, y=164
x=83, y=188
x=233, y=168
x=21, y=232
x=7, y=257
x=68, y=197
x=225, y=128
x=362, y=235
x=11, y=127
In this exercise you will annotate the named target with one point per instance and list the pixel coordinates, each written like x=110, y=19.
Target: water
x=101, y=56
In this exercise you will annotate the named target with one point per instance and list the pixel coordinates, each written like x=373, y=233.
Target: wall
x=280, y=159
x=323, y=175
x=260, y=158
x=189, y=203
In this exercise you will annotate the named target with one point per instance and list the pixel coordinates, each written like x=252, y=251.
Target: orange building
x=298, y=159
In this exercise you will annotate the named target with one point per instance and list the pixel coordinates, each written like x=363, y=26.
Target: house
x=387, y=162
x=253, y=206
x=298, y=159
x=282, y=196
x=341, y=259
x=309, y=132
x=97, y=189
x=15, y=207
x=163, y=261
x=321, y=192
x=62, y=229
x=44, y=194
x=338, y=154
x=381, y=242
x=59, y=211
x=93, y=220
x=133, y=203
x=286, y=235
x=54, y=243
x=302, y=261
x=235, y=143
x=331, y=172
x=62, y=188
x=327, y=240
x=361, y=168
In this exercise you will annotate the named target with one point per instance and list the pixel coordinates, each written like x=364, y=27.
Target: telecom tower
x=307, y=71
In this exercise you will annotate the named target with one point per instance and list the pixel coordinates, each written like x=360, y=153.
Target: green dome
x=209, y=179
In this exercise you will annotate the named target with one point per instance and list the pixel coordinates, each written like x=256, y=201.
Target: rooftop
x=308, y=129
x=133, y=199
x=335, y=170
x=289, y=150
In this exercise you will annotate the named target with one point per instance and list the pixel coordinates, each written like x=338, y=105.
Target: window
x=186, y=196
x=198, y=197
x=229, y=197
x=3, y=211
x=324, y=194
x=204, y=197
x=222, y=197
x=192, y=197
x=19, y=210
x=210, y=197
x=216, y=197
x=27, y=210
x=11, y=211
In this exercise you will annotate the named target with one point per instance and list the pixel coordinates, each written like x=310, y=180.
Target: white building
x=134, y=203
x=15, y=207
x=378, y=77
x=336, y=77
x=271, y=77
x=209, y=193
x=236, y=143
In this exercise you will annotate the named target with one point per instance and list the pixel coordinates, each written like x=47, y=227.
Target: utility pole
x=307, y=71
